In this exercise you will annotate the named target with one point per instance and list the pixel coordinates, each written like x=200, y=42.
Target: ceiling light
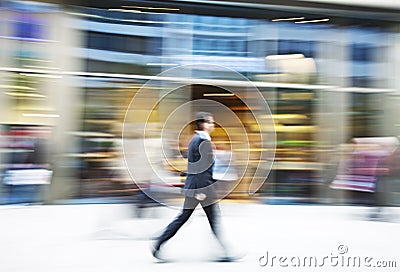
x=162, y=64
x=125, y=10
x=153, y=8
x=288, y=19
x=218, y=94
x=312, y=21
x=283, y=57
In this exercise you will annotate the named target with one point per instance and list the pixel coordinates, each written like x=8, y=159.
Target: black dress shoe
x=155, y=251
x=226, y=259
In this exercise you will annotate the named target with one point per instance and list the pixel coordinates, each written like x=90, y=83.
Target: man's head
x=205, y=121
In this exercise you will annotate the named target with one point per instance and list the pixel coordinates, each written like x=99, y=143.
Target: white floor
x=269, y=237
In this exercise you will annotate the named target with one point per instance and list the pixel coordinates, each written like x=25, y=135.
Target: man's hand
x=200, y=197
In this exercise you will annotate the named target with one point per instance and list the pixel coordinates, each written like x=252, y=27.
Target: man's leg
x=188, y=208
x=213, y=214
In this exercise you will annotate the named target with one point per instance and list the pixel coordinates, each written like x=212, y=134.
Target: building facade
x=74, y=70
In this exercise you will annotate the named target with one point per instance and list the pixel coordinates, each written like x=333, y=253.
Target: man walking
x=199, y=184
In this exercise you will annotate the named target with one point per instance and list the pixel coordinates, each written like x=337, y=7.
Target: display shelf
x=295, y=171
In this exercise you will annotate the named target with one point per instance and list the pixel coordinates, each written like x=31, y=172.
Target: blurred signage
x=28, y=6
x=296, y=96
x=27, y=27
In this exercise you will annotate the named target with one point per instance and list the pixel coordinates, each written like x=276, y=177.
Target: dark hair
x=201, y=118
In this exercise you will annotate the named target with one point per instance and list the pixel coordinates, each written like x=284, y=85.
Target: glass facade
x=325, y=84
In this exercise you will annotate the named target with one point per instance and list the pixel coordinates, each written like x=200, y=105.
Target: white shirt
x=203, y=135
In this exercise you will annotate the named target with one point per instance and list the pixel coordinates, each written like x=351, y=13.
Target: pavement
x=108, y=237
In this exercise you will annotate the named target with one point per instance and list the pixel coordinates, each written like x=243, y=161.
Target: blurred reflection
x=27, y=168
x=224, y=171
x=366, y=166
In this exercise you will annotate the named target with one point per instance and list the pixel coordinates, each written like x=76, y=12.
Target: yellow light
x=40, y=75
x=16, y=87
x=41, y=67
x=18, y=94
x=46, y=115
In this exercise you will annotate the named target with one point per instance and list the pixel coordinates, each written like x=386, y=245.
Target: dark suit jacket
x=200, y=168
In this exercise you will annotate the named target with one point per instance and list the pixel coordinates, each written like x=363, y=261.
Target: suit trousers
x=212, y=213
